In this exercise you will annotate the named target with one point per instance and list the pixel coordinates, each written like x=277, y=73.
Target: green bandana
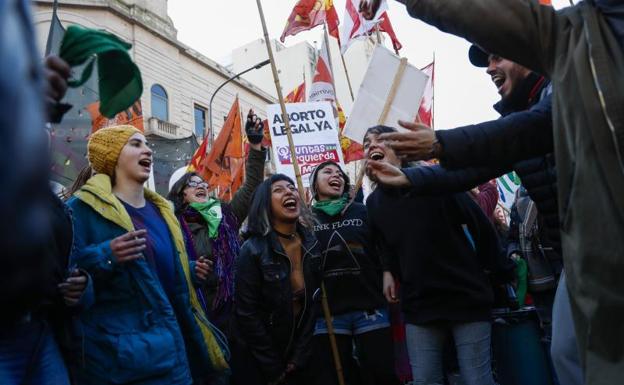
x=119, y=78
x=331, y=207
x=211, y=212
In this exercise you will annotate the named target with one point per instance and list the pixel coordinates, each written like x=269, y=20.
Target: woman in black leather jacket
x=276, y=275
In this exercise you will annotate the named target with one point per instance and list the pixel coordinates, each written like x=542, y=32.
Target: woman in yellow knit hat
x=145, y=326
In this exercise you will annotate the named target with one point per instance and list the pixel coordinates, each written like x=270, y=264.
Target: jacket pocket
x=273, y=277
x=134, y=355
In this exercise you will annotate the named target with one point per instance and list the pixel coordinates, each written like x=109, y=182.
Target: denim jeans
x=17, y=348
x=425, y=345
x=563, y=348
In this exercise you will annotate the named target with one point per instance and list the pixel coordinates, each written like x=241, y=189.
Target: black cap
x=478, y=57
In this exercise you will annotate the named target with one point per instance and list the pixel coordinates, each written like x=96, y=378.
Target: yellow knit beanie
x=105, y=146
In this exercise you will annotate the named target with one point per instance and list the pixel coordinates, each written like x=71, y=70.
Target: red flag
x=197, y=161
x=308, y=14
x=350, y=150
x=226, y=154
x=425, y=112
x=297, y=95
x=386, y=26
x=545, y=2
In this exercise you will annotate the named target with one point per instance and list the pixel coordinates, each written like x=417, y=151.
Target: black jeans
x=372, y=362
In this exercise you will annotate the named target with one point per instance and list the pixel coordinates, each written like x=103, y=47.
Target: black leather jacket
x=264, y=322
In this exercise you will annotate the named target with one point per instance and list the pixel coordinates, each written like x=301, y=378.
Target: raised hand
x=129, y=246
x=418, y=143
x=254, y=130
x=386, y=174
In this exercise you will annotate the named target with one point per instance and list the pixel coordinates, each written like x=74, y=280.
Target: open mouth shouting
x=291, y=204
x=376, y=154
x=336, y=184
x=499, y=80
x=200, y=193
x=146, y=164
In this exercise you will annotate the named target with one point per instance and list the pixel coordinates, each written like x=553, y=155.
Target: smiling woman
x=128, y=239
x=277, y=274
x=211, y=230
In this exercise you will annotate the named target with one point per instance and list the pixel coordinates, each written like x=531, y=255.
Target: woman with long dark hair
x=276, y=276
x=352, y=275
x=211, y=227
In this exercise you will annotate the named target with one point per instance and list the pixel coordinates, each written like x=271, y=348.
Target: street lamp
x=257, y=66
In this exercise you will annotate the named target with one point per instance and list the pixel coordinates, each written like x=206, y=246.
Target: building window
x=160, y=107
x=200, y=121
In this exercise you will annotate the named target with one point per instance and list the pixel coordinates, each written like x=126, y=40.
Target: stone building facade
x=178, y=81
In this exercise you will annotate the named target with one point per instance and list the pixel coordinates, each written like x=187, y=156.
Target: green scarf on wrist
x=212, y=214
x=331, y=207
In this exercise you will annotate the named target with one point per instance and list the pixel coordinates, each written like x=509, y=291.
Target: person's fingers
x=394, y=136
x=130, y=251
x=413, y=126
x=81, y=279
x=59, y=65
x=123, y=245
x=129, y=258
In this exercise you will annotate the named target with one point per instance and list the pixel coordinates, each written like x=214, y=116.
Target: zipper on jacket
x=603, y=104
x=292, y=329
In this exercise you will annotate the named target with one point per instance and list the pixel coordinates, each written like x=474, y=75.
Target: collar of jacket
x=525, y=95
x=98, y=194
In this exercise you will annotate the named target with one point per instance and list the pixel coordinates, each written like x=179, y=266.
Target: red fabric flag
x=350, y=150
x=297, y=95
x=386, y=26
x=545, y=2
x=308, y=14
x=425, y=112
x=197, y=161
x=226, y=154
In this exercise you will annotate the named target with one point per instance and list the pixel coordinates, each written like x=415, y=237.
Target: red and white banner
x=425, y=112
x=354, y=26
x=322, y=87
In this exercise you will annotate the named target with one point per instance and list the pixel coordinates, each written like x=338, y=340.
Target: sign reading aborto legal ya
x=315, y=134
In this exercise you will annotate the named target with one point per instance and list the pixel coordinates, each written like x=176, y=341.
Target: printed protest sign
x=315, y=134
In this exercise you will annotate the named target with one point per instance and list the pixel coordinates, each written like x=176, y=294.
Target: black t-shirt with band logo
x=351, y=269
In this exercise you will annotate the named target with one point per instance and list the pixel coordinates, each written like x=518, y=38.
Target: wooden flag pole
x=280, y=96
x=344, y=65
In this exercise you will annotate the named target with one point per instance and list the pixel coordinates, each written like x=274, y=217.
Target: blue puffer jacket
x=133, y=333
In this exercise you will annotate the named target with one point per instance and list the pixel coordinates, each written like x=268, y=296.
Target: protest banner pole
x=280, y=96
x=382, y=118
x=344, y=65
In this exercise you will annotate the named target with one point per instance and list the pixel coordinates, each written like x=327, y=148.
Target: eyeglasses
x=195, y=184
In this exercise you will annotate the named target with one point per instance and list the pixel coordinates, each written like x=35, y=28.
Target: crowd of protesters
x=114, y=284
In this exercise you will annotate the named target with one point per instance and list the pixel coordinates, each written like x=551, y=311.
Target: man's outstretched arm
x=519, y=30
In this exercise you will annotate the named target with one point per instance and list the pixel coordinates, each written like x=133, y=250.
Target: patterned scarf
x=225, y=248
